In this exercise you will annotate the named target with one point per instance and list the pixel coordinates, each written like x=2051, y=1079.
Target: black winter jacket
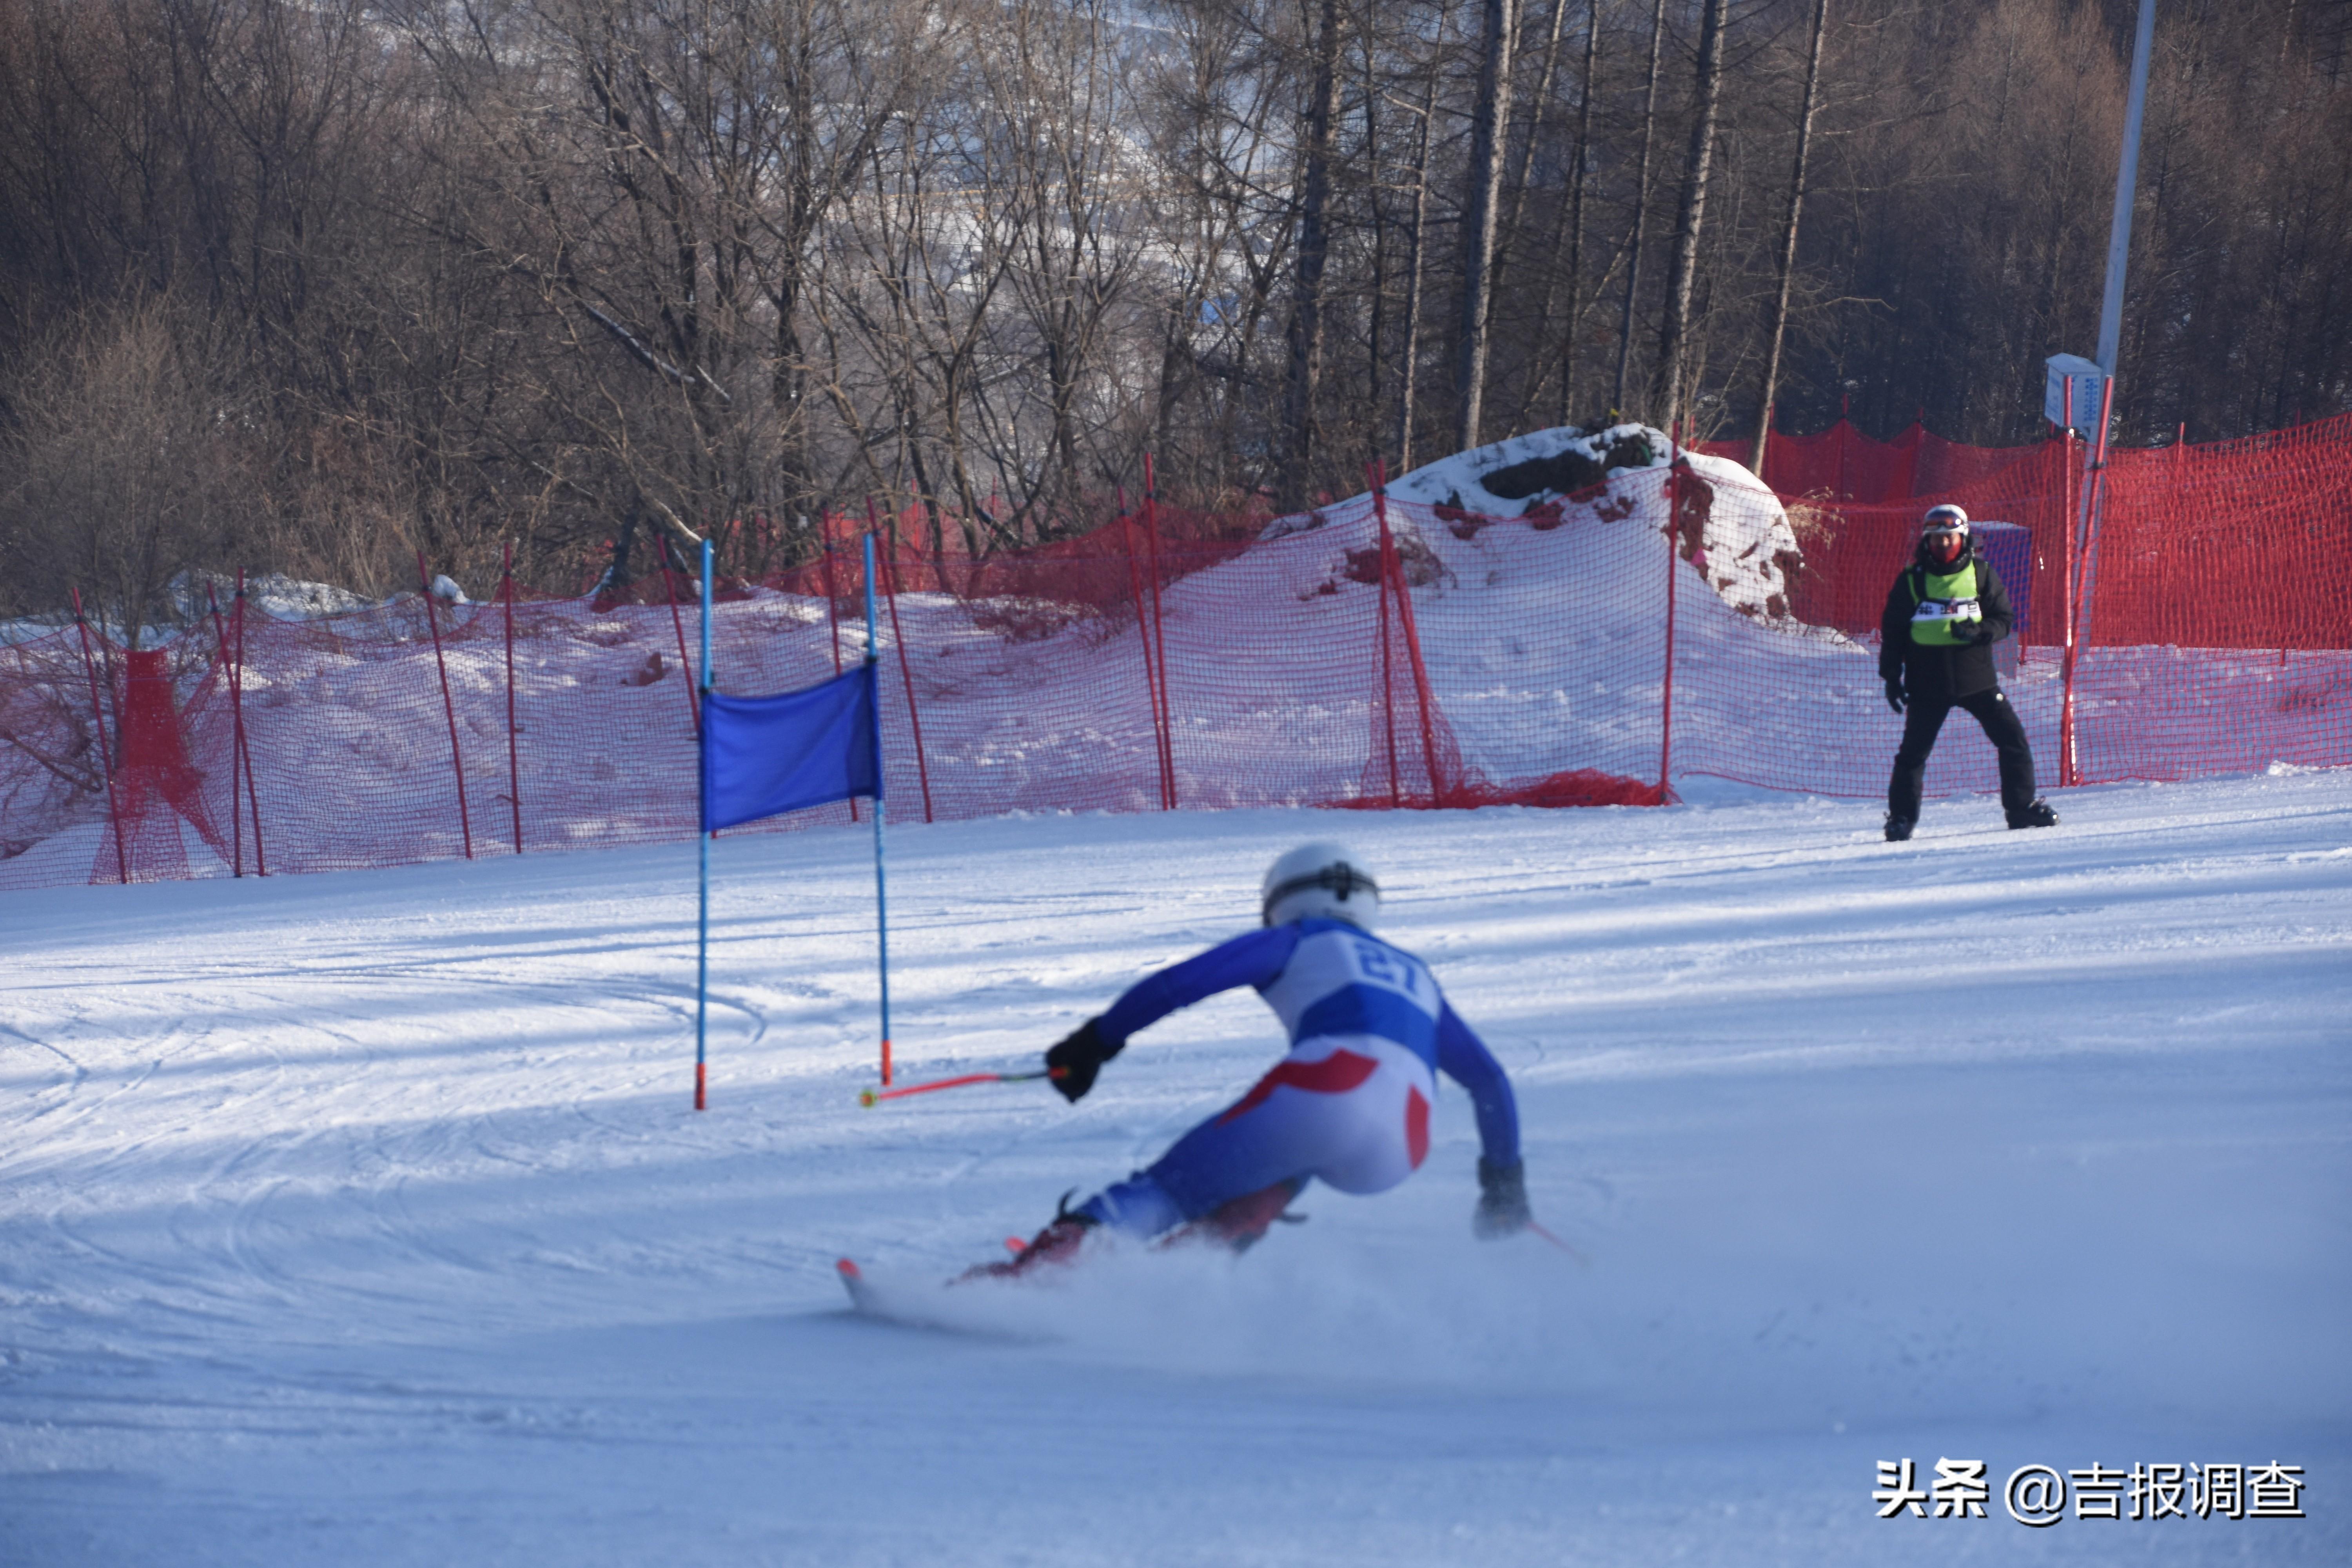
x=1942, y=674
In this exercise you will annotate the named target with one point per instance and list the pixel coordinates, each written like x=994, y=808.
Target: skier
x=1944, y=613
x=1368, y=1030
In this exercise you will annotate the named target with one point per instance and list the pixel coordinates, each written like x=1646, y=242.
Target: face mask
x=1946, y=548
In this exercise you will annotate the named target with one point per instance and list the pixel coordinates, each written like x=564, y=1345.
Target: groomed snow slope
x=362, y=1219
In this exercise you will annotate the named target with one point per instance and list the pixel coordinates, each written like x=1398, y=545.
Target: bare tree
x=1490, y=120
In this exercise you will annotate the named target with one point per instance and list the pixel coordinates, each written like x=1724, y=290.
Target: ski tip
x=847, y=1269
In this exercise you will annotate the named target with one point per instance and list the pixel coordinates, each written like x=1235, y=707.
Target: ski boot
x=1898, y=828
x=1057, y=1243
x=2038, y=815
x=1239, y=1224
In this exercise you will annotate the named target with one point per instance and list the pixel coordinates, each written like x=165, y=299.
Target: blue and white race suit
x=1349, y=1105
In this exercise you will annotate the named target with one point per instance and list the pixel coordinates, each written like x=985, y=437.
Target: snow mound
x=1733, y=528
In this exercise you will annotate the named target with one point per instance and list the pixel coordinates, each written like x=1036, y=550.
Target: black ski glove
x=1079, y=1057
x=1894, y=692
x=1502, y=1200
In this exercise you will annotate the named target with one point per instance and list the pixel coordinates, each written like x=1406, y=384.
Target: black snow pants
x=1924, y=719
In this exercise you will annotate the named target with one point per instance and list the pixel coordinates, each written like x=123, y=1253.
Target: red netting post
x=236, y=748
x=677, y=623
x=832, y=607
x=1160, y=635
x=244, y=741
x=1667, y=694
x=456, y=759
x=105, y=764
x=1393, y=561
x=1388, y=677
x=514, y=747
x=2067, y=604
x=1151, y=670
x=2094, y=490
x=1844, y=440
x=914, y=717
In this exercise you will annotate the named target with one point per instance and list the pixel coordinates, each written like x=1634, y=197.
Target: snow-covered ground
x=362, y=1218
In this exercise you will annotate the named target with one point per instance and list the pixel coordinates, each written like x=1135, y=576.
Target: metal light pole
x=2111, y=303
x=2111, y=332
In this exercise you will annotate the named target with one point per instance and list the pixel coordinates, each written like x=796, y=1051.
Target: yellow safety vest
x=1944, y=613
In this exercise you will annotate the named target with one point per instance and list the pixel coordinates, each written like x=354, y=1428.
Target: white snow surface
x=363, y=1218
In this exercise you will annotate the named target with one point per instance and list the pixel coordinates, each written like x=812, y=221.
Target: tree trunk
x=1293, y=477
x=1789, y=242
x=1510, y=226
x=1641, y=211
x=1572, y=221
x=1690, y=214
x=1490, y=127
x=1414, y=252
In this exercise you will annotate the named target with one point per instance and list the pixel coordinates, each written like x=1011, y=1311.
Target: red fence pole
x=1160, y=636
x=456, y=759
x=244, y=741
x=514, y=749
x=1673, y=547
x=1387, y=675
x=236, y=739
x=2094, y=489
x=105, y=764
x=889, y=573
x=1151, y=668
x=2067, y=604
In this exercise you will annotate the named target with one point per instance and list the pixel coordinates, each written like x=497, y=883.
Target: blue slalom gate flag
x=765, y=755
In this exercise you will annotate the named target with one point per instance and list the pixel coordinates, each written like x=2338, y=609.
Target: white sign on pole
x=2087, y=379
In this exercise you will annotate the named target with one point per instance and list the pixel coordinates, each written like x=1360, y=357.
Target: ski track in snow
x=362, y=1218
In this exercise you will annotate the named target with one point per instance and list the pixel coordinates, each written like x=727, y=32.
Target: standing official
x=1943, y=615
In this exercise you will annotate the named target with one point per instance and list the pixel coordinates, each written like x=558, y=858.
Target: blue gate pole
x=881, y=898
x=702, y=844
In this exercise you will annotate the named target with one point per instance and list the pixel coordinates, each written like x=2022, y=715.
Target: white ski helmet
x=1319, y=881
x=1940, y=518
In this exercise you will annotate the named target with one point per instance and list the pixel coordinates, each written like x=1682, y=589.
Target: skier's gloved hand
x=1502, y=1200
x=1894, y=692
x=1079, y=1057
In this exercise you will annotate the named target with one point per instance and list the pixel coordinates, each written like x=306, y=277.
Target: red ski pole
x=870, y=1097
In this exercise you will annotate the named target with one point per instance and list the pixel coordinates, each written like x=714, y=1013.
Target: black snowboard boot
x=2038, y=815
x=1898, y=828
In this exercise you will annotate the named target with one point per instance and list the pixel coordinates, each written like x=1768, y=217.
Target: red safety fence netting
x=1842, y=463
x=1370, y=654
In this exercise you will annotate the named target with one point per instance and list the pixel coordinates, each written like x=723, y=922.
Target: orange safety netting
x=1369, y=655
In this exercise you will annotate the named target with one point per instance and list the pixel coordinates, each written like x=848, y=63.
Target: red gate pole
x=1160, y=635
x=693, y=704
x=1151, y=670
x=1674, y=544
x=889, y=573
x=1391, y=559
x=457, y=760
x=1387, y=675
x=105, y=764
x=2066, y=604
x=245, y=741
x=2093, y=501
x=832, y=607
x=236, y=737
x=514, y=749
